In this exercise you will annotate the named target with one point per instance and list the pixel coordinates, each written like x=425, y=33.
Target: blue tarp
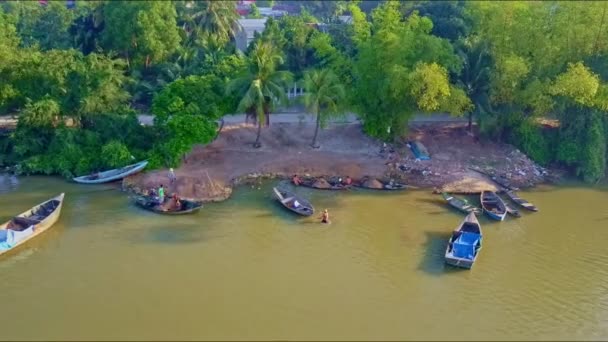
x=9, y=238
x=464, y=246
x=418, y=152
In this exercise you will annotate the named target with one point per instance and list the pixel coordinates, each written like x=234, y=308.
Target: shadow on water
x=432, y=261
x=172, y=234
x=433, y=201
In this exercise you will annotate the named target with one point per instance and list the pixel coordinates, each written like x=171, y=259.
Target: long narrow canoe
x=465, y=244
x=511, y=210
x=151, y=204
x=520, y=201
x=460, y=204
x=493, y=205
x=30, y=223
x=112, y=175
x=294, y=203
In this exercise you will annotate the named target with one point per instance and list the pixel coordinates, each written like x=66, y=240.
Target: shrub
x=115, y=154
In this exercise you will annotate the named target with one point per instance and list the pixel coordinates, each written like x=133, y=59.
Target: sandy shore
x=211, y=171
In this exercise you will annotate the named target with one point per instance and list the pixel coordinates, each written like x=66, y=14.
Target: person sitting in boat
x=296, y=204
x=348, y=181
x=325, y=217
x=296, y=180
x=177, y=202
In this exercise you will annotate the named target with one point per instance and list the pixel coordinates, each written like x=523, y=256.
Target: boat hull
x=490, y=200
x=145, y=203
x=470, y=225
x=457, y=262
x=40, y=227
x=520, y=201
x=460, y=204
x=132, y=169
x=309, y=183
x=306, y=209
x=495, y=216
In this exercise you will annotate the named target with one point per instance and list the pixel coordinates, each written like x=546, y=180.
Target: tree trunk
x=599, y=32
x=257, y=143
x=220, y=129
x=470, y=121
x=314, y=143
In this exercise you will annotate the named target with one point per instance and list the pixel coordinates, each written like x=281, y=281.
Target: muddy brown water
x=248, y=269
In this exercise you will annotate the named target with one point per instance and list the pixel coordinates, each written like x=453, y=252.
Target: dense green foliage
x=76, y=78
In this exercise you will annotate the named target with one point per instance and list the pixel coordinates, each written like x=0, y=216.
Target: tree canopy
x=73, y=75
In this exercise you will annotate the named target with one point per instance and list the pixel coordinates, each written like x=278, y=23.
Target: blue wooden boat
x=112, y=175
x=465, y=243
x=493, y=205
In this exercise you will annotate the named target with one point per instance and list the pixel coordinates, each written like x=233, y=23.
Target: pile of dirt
x=372, y=183
x=321, y=183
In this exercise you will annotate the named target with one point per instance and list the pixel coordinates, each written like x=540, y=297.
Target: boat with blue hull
x=493, y=205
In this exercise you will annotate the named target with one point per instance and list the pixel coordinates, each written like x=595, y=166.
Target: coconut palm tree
x=475, y=76
x=262, y=86
x=324, y=96
x=214, y=21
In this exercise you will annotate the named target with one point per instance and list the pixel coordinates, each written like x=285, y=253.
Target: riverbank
x=209, y=172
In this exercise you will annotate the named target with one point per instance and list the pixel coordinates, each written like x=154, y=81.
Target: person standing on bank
x=172, y=177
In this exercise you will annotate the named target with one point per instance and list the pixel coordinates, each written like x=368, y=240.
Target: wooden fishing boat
x=294, y=203
x=465, y=244
x=389, y=186
x=460, y=204
x=520, y=201
x=112, y=175
x=333, y=184
x=151, y=203
x=511, y=210
x=30, y=223
x=493, y=205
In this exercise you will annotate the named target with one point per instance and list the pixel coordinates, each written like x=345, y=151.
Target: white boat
x=112, y=175
x=30, y=223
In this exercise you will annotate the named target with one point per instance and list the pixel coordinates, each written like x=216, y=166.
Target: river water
x=247, y=269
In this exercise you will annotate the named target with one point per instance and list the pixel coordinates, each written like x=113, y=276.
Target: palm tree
x=214, y=21
x=262, y=86
x=324, y=96
x=475, y=76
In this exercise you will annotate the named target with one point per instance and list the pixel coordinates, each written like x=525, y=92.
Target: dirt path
x=210, y=172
